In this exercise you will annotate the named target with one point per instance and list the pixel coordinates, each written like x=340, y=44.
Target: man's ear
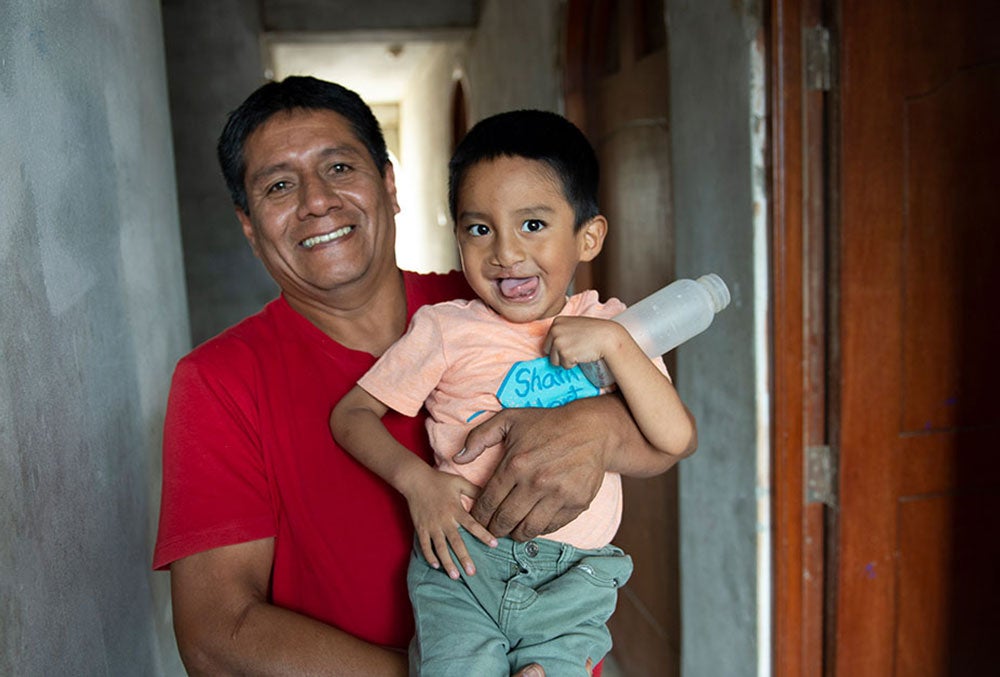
x=591, y=237
x=390, y=186
x=248, y=231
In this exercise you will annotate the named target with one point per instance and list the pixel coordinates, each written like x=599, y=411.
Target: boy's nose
x=507, y=251
x=317, y=198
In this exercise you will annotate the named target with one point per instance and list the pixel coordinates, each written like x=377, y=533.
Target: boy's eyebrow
x=526, y=211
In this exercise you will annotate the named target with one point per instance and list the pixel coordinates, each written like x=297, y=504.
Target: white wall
x=424, y=236
x=92, y=319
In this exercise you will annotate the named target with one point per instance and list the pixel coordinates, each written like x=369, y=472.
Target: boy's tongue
x=518, y=287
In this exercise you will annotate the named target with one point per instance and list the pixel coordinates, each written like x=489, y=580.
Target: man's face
x=321, y=217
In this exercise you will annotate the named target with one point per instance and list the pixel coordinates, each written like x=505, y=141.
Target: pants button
x=531, y=548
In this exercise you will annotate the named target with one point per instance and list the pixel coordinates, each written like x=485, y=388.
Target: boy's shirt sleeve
x=407, y=373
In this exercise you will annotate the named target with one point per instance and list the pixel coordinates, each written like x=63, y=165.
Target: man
x=286, y=556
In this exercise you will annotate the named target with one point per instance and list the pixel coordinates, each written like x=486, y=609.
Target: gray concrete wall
x=214, y=62
x=92, y=320
x=711, y=43
x=514, y=59
x=351, y=15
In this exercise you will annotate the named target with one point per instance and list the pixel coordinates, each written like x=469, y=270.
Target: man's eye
x=532, y=226
x=478, y=230
x=278, y=187
x=339, y=168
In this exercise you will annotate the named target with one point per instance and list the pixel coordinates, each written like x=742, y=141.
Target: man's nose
x=317, y=197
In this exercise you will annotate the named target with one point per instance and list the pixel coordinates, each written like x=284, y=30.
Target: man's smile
x=311, y=242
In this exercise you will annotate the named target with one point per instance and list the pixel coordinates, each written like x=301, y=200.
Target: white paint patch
x=761, y=338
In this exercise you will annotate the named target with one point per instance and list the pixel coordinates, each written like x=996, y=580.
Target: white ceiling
x=377, y=70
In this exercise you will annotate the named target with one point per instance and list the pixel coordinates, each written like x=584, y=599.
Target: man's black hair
x=535, y=135
x=293, y=93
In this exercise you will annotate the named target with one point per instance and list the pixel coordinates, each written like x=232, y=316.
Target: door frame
x=801, y=320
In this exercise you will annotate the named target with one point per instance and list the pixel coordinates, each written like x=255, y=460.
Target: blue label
x=537, y=383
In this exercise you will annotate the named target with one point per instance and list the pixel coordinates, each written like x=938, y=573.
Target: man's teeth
x=311, y=242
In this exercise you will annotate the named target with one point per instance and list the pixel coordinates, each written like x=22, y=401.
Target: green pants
x=535, y=602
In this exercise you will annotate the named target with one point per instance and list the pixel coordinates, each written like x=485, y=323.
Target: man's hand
x=555, y=462
x=551, y=471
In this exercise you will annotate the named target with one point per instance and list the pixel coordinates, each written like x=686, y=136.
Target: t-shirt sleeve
x=215, y=488
x=407, y=373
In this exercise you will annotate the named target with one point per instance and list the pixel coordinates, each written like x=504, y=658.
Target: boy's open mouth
x=517, y=288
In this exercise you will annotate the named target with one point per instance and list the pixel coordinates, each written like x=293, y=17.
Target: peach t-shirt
x=452, y=360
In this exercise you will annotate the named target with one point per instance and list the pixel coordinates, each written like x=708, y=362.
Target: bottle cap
x=717, y=289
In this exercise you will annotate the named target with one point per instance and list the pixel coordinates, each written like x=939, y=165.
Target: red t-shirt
x=248, y=454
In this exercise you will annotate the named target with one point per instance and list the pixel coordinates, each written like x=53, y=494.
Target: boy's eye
x=532, y=226
x=478, y=230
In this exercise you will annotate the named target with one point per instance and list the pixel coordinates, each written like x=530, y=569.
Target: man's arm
x=555, y=462
x=224, y=624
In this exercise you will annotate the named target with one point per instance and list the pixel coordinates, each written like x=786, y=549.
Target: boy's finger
x=479, y=531
x=458, y=547
x=428, y=551
x=468, y=488
x=441, y=548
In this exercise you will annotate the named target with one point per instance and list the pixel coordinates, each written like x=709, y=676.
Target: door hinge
x=819, y=62
x=820, y=476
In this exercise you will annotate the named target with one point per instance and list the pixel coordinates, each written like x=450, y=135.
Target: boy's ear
x=592, y=237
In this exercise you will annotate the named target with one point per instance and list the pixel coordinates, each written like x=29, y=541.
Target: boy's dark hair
x=293, y=93
x=535, y=135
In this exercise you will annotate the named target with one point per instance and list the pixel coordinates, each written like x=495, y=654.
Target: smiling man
x=286, y=555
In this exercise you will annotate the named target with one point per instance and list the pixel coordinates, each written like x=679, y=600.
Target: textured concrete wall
x=350, y=15
x=92, y=319
x=711, y=43
x=514, y=60
x=213, y=62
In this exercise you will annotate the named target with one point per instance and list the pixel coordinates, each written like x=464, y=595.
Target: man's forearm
x=627, y=452
x=269, y=640
x=225, y=626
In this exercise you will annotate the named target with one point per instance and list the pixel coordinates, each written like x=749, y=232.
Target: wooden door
x=919, y=247
x=911, y=557
x=616, y=90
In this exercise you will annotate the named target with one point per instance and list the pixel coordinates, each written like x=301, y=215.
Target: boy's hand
x=578, y=340
x=435, y=503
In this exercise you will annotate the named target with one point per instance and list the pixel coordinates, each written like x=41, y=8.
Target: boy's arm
x=655, y=405
x=556, y=458
x=356, y=423
x=434, y=497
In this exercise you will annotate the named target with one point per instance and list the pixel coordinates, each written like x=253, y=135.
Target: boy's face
x=515, y=235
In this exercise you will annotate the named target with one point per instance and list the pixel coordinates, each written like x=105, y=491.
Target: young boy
x=523, y=195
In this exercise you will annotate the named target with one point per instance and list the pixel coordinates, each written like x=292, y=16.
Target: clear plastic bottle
x=667, y=318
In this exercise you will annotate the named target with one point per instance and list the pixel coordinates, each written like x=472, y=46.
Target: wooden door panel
x=923, y=572
x=951, y=246
x=919, y=244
